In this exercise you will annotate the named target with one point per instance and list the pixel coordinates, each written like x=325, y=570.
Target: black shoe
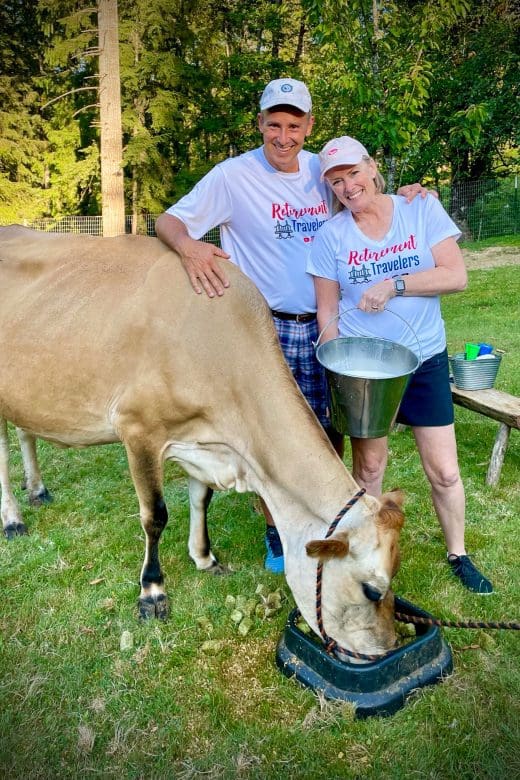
x=471, y=578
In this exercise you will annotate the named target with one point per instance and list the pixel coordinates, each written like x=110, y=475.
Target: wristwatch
x=399, y=286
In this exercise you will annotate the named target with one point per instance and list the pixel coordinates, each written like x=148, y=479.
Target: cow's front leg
x=9, y=510
x=199, y=546
x=37, y=493
x=147, y=474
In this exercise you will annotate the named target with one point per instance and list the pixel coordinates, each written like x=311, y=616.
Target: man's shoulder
x=246, y=158
x=233, y=166
x=305, y=153
x=309, y=159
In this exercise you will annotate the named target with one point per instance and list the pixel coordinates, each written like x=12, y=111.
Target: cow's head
x=359, y=560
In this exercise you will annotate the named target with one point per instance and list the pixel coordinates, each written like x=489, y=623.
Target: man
x=269, y=204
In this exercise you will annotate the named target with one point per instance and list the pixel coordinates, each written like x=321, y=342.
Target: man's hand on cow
x=201, y=264
x=410, y=191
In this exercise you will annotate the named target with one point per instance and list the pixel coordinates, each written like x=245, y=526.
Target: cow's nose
x=372, y=594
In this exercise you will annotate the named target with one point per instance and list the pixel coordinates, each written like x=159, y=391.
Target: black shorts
x=427, y=399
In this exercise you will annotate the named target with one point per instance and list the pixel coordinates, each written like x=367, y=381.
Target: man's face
x=284, y=133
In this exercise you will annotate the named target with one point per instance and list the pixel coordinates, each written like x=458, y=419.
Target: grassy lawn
x=513, y=240
x=88, y=691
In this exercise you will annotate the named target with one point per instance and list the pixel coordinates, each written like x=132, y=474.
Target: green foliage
x=380, y=58
x=473, y=109
x=430, y=86
x=22, y=140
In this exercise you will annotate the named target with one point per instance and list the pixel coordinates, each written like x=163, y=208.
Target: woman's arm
x=327, y=296
x=448, y=276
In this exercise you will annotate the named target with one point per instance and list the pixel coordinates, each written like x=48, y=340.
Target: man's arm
x=198, y=257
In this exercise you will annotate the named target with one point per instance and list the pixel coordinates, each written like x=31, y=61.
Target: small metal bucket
x=479, y=374
x=367, y=377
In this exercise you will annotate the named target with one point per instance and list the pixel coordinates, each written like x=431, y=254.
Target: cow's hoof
x=43, y=497
x=15, y=529
x=153, y=607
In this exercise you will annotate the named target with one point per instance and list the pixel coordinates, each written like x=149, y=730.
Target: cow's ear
x=394, y=496
x=325, y=549
x=391, y=514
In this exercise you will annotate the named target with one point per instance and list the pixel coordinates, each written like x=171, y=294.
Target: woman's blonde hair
x=378, y=180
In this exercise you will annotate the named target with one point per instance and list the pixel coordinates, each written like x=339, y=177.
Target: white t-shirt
x=268, y=220
x=343, y=253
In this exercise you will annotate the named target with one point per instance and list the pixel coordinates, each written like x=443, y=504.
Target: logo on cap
x=333, y=151
x=286, y=88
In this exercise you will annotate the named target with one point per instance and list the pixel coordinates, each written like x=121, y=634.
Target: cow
x=102, y=340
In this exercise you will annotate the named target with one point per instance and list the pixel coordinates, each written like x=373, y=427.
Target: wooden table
x=499, y=406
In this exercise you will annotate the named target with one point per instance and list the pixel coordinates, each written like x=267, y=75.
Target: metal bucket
x=479, y=374
x=367, y=377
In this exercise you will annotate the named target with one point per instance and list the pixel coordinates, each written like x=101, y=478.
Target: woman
x=379, y=250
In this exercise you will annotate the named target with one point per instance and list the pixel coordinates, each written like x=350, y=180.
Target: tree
x=474, y=108
x=23, y=175
x=112, y=190
x=474, y=105
x=430, y=86
x=375, y=63
x=68, y=105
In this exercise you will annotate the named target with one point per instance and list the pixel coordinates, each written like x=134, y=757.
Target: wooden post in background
x=112, y=186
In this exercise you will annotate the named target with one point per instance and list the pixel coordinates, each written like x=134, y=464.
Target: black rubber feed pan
x=377, y=687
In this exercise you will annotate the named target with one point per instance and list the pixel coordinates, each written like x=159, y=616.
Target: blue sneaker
x=274, y=558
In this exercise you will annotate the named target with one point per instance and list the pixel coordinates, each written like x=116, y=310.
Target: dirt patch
x=492, y=257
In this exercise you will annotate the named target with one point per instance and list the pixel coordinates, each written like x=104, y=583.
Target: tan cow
x=103, y=340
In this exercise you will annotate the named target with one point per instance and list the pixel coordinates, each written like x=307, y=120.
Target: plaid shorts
x=296, y=341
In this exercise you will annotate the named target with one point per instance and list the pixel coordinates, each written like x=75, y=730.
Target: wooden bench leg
x=497, y=456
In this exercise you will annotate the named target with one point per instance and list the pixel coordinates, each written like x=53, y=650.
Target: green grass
x=75, y=705
x=511, y=240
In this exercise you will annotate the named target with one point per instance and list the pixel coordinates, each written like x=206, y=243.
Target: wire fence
x=481, y=209
x=93, y=225
x=485, y=208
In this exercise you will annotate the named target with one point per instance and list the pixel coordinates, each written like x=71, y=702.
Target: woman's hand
x=376, y=297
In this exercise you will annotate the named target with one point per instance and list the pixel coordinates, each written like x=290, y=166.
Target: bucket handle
x=354, y=308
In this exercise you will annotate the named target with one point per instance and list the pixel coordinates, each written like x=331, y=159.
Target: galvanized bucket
x=367, y=377
x=479, y=374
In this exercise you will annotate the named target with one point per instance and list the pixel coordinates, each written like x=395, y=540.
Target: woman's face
x=354, y=185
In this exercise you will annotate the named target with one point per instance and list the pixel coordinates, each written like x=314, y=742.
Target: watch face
x=399, y=285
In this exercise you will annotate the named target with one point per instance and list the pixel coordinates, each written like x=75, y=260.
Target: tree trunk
x=112, y=189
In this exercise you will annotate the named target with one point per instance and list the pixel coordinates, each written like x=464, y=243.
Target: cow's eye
x=372, y=594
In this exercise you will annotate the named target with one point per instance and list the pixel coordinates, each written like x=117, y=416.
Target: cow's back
x=89, y=323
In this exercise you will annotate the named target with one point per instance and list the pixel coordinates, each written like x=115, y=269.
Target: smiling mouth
x=355, y=195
